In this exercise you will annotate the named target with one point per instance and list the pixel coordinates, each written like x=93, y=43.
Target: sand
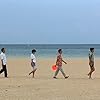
x=21, y=86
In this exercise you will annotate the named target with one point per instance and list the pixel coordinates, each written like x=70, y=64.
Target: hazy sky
x=49, y=21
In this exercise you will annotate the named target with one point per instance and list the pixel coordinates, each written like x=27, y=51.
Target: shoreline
x=25, y=57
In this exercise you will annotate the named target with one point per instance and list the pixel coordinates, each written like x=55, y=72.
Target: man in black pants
x=3, y=61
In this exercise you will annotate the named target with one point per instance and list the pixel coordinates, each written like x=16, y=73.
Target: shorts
x=33, y=65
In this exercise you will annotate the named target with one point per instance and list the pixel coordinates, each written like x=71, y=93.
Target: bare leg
x=90, y=73
x=30, y=72
x=34, y=72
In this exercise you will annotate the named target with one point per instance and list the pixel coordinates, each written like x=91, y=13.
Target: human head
x=3, y=50
x=33, y=51
x=92, y=49
x=60, y=51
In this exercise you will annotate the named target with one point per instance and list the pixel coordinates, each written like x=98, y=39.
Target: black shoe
x=66, y=77
x=55, y=77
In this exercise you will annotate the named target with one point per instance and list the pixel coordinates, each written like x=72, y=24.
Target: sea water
x=50, y=50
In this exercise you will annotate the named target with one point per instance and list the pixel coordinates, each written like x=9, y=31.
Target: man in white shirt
x=33, y=62
x=3, y=61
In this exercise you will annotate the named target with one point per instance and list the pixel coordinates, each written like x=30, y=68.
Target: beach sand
x=21, y=86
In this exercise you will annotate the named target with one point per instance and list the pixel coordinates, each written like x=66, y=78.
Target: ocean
x=50, y=50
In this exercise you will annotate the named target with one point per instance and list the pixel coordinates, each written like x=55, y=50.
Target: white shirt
x=33, y=58
x=3, y=57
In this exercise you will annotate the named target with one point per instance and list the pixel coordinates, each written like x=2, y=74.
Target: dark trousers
x=4, y=69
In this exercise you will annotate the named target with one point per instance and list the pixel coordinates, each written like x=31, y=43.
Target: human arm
x=1, y=57
x=90, y=56
x=64, y=61
x=2, y=61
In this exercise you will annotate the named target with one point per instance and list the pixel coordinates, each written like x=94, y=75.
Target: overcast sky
x=49, y=21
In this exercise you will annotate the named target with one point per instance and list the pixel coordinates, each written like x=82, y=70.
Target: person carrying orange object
x=59, y=64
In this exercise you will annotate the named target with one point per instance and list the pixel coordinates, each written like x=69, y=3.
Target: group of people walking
x=59, y=62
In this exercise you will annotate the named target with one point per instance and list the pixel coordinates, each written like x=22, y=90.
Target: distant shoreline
x=24, y=57
x=50, y=50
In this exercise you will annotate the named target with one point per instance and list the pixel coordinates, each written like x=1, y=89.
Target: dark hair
x=59, y=50
x=2, y=49
x=91, y=49
x=33, y=50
